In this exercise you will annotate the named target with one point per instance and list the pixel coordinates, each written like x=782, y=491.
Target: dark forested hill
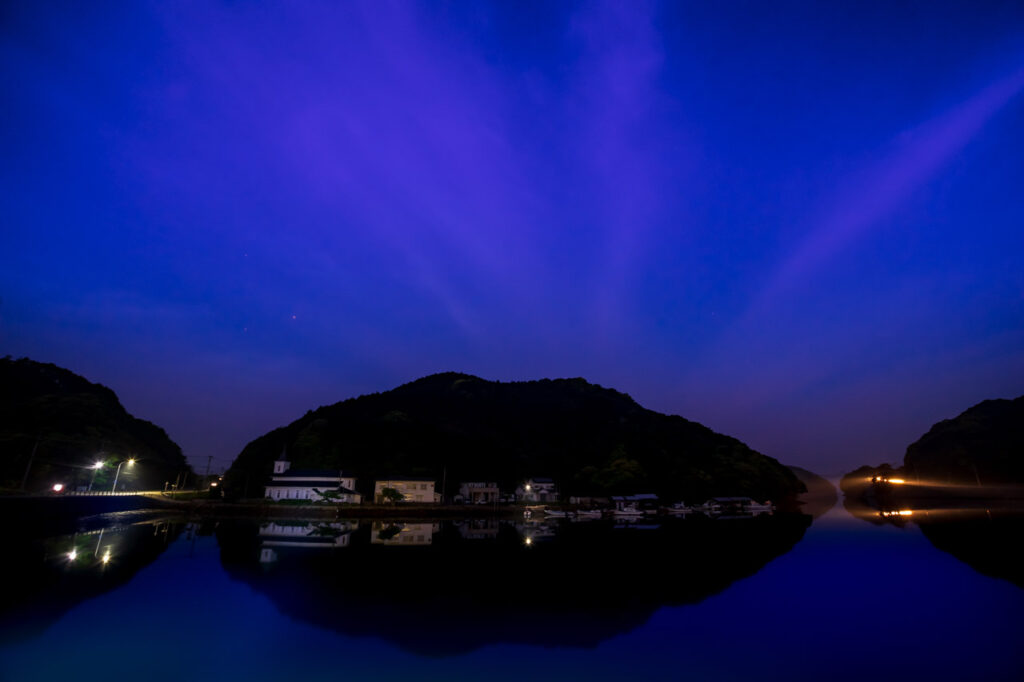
x=588, y=438
x=70, y=423
x=982, y=446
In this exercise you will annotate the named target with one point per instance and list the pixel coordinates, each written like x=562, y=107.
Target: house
x=537, y=489
x=726, y=505
x=311, y=484
x=478, y=492
x=412, y=489
x=591, y=501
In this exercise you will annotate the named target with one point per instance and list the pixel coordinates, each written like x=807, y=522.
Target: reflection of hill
x=988, y=541
x=585, y=585
x=48, y=584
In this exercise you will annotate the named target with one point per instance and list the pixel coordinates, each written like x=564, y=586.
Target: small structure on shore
x=318, y=485
x=640, y=501
x=537, y=489
x=478, y=492
x=410, y=488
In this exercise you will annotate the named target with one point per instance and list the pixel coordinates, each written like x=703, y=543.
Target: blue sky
x=798, y=223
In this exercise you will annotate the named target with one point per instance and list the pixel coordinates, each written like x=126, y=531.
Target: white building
x=537, y=489
x=478, y=492
x=309, y=484
x=412, y=490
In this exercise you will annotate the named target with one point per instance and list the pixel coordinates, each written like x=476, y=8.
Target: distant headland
x=55, y=426
x=452, y=427
x=979, y=452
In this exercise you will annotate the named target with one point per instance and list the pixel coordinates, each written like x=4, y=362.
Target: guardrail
x=108, y=493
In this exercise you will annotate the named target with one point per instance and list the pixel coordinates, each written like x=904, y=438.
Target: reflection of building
x=310, y=484
x=404, y=534
x=411, y=489
x=479, y=529
x=477, y=492
x=281, y=534
x=537, y=490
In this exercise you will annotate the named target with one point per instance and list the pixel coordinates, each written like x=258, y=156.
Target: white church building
x=308, y=484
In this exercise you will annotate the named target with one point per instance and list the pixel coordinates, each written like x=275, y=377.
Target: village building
x=311, y=484
x=412, y=489
x=537, y=489
x=478, y=492
x=643, y=501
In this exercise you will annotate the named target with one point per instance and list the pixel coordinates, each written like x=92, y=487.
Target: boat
x=627, y=512
x=678, y=510
x=589, y=514
x=555, y=514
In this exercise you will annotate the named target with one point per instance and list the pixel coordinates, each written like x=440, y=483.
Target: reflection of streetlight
x=528, y=541
x=106, y=557
x=95, y=467
x=130, y=461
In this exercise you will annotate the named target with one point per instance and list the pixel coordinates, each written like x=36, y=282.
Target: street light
x=95, y=467
x=130, y=461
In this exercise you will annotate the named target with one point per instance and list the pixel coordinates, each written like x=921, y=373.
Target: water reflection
x=55, y=573
x=982, y=534
x=444, y=588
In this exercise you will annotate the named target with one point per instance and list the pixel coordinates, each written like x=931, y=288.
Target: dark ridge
x=71, y=422
x=590, y=439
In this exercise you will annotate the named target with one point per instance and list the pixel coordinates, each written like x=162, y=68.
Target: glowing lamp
x=57, y=487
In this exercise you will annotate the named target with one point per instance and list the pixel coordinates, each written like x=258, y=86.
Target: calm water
x=923, y=596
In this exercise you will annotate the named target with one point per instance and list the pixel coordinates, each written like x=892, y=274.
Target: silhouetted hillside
x=982, y=446
x=590, y=439
x=71, y=422
x=820, y=496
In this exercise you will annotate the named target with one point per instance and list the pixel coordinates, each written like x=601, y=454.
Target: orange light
x=896, y=480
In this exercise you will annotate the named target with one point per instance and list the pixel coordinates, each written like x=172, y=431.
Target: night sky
x=801, y=224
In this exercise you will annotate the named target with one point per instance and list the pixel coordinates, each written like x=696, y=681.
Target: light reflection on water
x=443, y=600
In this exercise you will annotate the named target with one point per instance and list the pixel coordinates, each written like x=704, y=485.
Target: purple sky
x=800, y=225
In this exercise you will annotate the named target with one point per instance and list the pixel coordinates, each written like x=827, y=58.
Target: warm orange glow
x=896, y=480
x=906, y=512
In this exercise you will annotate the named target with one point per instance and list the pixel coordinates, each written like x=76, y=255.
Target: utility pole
x=28, y=467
